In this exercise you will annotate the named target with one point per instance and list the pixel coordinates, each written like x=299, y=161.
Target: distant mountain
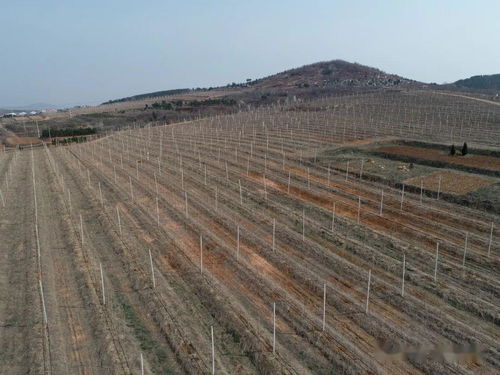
x=482, y=82
x=149, y=95
x=30, y=107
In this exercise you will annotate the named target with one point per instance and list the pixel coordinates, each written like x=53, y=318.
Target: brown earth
x=451, y=182
x=470, y=160
x=22, y=141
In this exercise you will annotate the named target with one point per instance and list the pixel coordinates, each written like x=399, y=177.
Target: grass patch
x=144, y=336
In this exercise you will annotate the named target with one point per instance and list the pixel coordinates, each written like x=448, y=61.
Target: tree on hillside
x=465, y=151
x=452, y=150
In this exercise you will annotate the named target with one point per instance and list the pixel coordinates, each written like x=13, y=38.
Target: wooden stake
x=288, y=189
x=186, y=200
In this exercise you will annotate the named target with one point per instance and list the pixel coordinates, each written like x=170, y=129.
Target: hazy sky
x=71, y=52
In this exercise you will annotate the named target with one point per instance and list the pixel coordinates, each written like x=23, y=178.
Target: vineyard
x=231, y=245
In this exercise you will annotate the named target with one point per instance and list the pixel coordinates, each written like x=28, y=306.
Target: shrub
x=452, y=150
x=465, y=151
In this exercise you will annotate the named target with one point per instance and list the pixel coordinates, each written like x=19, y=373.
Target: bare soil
x=451, y=182
x=478, y=161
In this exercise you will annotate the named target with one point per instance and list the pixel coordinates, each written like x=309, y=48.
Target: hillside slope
x=481, y=82
x=335, y=73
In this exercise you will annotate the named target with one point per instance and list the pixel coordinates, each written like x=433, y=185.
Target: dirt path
x=21, y=330
x=467, y=97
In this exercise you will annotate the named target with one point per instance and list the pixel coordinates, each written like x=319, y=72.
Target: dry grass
x=451, y=182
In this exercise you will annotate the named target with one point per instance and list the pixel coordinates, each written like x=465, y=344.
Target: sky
x=71, y=52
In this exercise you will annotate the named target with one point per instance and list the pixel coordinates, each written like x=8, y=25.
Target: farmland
x=237, y=244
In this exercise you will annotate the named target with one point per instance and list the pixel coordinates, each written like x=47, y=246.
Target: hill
x=305, y=80
x=332, y=74
x=480, y=82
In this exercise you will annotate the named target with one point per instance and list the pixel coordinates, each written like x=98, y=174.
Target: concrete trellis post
x=100, y=193
x=237, y=242
x=465, y=248
x=359, y=209
x=421, y=189
x=368, y=291
x=274, y=327
x=131, y=191
x=152, y=269
x=491, y=239
x=333, y=215
x=216, y=199
x=402, y=198
x=303, y=225
x=324, y=306
x=439, y=187
x=201, y=254
x=45, y=320
x=347, y=171
x=274, y=232
x=119, y=221
x=381, y=203
x=186, y=202
x=102, y=285
x=288, y=188
x=213, y=350
x=403, y=277
x=81, y=228
x=436, y=262
x=241, y=194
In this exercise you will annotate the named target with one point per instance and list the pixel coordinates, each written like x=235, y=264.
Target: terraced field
x=221, y=245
